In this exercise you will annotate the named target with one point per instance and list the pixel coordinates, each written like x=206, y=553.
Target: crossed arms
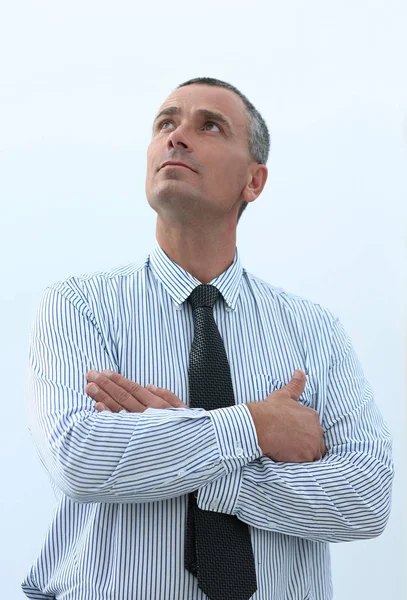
x=157, y=454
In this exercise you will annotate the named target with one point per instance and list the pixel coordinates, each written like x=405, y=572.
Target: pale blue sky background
x=80, y=82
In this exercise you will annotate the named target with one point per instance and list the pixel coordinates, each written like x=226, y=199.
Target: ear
x=256, y=183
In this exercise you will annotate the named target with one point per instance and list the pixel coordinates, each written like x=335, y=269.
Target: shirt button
x=214, y=505
x=229, y=309
x=239, y=451
x=271, y=525
x=181, y=473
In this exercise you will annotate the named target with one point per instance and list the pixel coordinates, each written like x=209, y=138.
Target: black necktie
x=218, y=548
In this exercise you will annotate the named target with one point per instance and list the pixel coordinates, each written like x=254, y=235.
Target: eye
x=160, y=125
x=211, y=123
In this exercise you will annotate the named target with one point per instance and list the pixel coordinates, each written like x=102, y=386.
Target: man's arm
x=342, y=497
x=125, y=457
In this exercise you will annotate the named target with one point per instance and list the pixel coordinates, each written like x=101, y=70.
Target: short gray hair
x=258, y=133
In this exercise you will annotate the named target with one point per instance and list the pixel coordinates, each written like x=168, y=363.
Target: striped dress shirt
x=122, y=480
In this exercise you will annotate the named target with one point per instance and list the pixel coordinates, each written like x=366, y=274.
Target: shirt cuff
x=221, y=495
x=236, y=436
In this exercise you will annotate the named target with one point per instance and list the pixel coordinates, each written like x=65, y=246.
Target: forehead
x=194, y=97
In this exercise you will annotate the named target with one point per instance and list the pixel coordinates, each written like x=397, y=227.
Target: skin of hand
x=286, y=430
x=115, y=393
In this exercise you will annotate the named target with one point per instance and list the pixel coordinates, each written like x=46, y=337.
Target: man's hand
x=116, y=393
x=286, y=430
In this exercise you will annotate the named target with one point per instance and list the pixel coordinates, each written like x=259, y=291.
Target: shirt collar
x=179, y=283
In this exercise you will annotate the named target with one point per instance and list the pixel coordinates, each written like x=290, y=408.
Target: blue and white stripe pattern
x=122, y=479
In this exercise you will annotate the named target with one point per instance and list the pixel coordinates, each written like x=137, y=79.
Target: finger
x=130, y=395
x=166, y=395
x=101, y=396
x=322, y=451
x=101, y=407
x=297, y=384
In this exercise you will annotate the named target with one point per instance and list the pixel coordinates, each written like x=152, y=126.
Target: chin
x=173, y=190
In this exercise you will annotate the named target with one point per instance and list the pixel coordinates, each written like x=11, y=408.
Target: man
x=262, y=442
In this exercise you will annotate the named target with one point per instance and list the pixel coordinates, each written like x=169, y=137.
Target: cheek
x=226, y=175
x=150, y=167
x=150, y=157
x=152, y=162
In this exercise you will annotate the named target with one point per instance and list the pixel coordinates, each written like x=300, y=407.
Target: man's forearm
x=342, y=497
x=339, y=498
x=146, y=457
x=123, y=457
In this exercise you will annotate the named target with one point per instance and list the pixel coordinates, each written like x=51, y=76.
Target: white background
x=80, y=82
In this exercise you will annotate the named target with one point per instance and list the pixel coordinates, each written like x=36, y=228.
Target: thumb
x=297, y=384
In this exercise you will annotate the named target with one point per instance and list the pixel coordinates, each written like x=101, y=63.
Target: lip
x=174, y=163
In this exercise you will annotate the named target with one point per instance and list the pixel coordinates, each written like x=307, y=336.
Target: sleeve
x=96, y=456
x=344, y=496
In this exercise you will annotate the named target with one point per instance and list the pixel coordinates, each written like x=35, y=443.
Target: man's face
x=206, y=128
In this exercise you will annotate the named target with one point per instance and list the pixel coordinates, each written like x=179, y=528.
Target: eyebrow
x=204, y=113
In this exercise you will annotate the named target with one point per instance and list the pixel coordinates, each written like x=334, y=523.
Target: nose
x=178, y=139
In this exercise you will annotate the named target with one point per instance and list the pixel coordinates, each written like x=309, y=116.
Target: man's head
x=212, y=128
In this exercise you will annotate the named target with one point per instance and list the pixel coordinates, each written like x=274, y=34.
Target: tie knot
x=203, y=295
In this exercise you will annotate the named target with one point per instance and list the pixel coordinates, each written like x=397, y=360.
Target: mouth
x=177, y=165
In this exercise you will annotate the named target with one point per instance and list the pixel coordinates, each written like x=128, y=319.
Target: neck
x=205, y=254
